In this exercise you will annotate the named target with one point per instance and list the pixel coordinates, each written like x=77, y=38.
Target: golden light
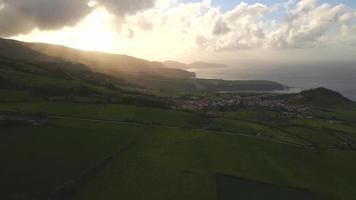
x=103, y=31
x=95, y=33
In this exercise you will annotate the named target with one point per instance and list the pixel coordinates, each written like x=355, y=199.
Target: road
x=195, y=129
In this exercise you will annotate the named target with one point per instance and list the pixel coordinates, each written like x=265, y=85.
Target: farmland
x=174, y=155
x=125, y=128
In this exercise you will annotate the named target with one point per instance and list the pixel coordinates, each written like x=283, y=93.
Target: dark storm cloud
x=22, y=16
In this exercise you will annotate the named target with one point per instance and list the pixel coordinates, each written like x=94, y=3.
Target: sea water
x=338, y=77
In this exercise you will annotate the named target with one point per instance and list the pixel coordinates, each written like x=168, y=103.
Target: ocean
x=338, y=77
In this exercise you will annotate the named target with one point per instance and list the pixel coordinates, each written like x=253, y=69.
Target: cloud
x=21, y=16
x=308, y=24
x=170, y=28
x=221, y=27
x=305, y=24
x=240, y=28
x=124, y=7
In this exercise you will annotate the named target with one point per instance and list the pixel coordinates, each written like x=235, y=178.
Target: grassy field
x=321, y=137
x=108, y=112
x=345, y=127
x=256, y=190
x=338, y=113
x=167, y=166
x=170, y=159
x=254, y=114
x=163, y=117
x=36, y=160
x=121, y=140
x=320, y=131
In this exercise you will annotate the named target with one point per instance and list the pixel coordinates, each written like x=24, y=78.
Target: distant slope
x=139, y=72
x=18, y=50
x=208, y=85
x=40, y=78
x=195, y=65
x=323, y=96
x=28, y=81
x=112, y=64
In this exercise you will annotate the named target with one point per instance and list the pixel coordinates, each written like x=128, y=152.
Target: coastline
x=294, y=81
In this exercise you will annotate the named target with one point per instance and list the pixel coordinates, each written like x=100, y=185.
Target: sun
x=95, y=33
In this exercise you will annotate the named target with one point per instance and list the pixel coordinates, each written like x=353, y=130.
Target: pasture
x=167, y=156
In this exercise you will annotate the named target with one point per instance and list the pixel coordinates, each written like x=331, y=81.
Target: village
x=227, y=101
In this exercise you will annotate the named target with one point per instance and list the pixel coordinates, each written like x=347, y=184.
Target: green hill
x=29, y=81
x=18, y=50
x=146, y=74
x=59, y=79
x=111, y=64
x=323, y=96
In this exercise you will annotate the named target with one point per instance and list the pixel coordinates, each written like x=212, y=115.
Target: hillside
x=68, y=132
x=221, y=104
x=18, y=50
x=143, y=73
x=55, y=78
x=113, y=64
x=206, y=85
x=30, y=81
x=323, y=96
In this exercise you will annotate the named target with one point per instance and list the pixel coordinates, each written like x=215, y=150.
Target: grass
x=48, y=79
x=339, y=113
x=144, y=115
x=164, y=154
x=109, y=112
x=230, y=188
x=13, y=95
x=321, y=137
x=348, y=128
x=167, y=162
x=36, y=160
x=161, y=169
x=246, y=127
x=255, y=114
x=332, y=120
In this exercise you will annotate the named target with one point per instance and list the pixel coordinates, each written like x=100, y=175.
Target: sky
x=229, y=4
x=222, y=31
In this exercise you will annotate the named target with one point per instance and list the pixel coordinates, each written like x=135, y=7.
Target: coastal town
x=230, y=101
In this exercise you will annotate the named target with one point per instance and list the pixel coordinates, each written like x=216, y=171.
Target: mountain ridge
x=111, y=64
x=139, y=72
